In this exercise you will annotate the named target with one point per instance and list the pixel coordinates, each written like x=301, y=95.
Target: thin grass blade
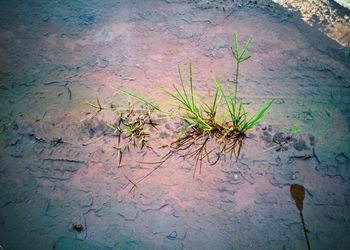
x=225, y=99
x=245, y=47
x=138, y=98
x=257, y=118
x=236, y=43
x=182, y=84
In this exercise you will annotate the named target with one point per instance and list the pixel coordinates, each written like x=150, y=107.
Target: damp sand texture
x=60, y=184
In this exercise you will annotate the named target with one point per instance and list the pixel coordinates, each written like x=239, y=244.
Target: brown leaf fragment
x=298, y=194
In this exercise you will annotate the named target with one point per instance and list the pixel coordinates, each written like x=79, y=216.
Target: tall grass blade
x=182, y=84
x=191, y=87
x=255, y=119
x=225, y=99
x=137, y=98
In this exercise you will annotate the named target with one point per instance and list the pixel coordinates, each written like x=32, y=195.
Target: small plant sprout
x=282, y=143
x=116, y=130
x=295, y=129
x=98, y=108
x=119, y=155
x=132, y=124
x=120, y=152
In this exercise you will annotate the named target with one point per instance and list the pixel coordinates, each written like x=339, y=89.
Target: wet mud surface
x=61, y=187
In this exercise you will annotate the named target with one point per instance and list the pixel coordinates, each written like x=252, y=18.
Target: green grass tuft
x=202, y=115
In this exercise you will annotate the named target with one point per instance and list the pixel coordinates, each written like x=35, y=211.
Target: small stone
x=79, y=227
x=306, y=116
x=172, y=236
x=235, y=177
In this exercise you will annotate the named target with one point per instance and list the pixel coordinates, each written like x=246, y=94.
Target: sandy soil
x=57, y=55
x=330, y=17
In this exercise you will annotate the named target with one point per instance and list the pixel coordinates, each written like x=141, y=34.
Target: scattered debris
x=56, y=141
x=301, y=157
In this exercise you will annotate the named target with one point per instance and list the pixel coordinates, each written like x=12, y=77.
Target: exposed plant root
x=193, y=145
x=233, y=146
x=133, y=188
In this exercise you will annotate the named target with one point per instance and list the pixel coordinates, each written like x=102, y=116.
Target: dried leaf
x=298, y=194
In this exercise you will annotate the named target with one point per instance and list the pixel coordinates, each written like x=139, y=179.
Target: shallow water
x=58, y=55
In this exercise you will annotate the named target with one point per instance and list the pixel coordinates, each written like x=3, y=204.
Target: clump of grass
x=132, y=124
x=240, y=123
x=192, y=113
x=201, y=118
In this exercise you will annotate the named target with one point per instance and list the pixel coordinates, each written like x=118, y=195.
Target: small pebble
x=172, y=236
x=78, y=227
x=235, y=177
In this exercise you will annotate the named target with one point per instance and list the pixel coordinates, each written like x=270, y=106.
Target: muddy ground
x=56, y=171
